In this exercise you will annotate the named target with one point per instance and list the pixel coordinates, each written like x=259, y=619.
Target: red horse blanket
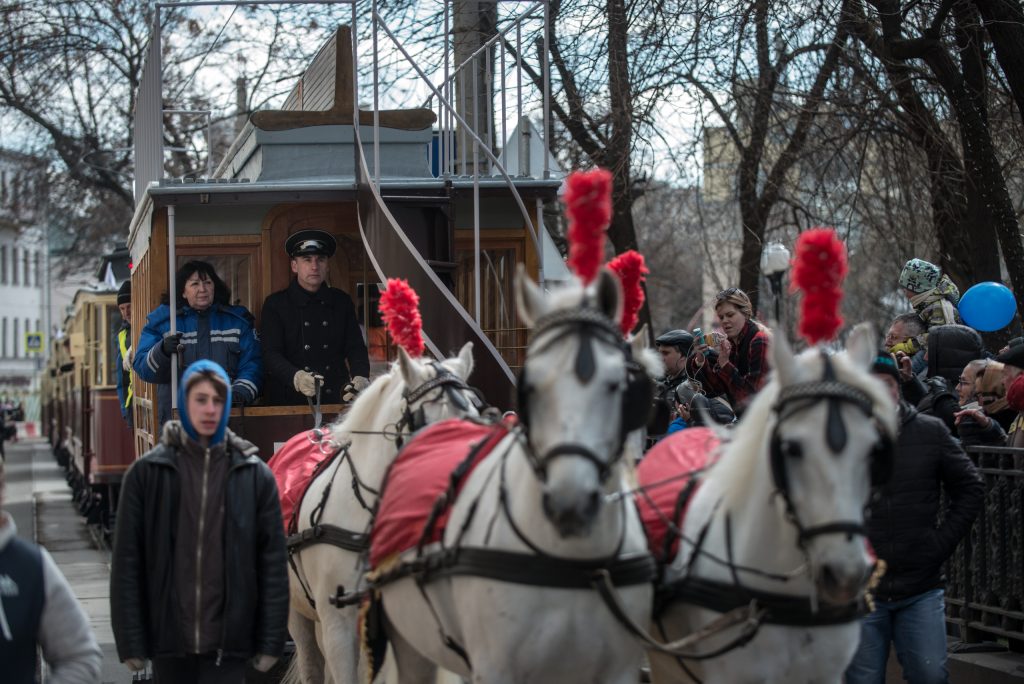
x=679, y=453
x=293, y=466
x=420, y=475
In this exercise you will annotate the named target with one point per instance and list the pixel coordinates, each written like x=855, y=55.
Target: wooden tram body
x=294, y=169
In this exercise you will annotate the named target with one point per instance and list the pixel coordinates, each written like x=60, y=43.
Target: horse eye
x=614, y=386
x=792, y=449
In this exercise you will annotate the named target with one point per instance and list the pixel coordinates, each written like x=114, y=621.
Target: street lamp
x=774, y=264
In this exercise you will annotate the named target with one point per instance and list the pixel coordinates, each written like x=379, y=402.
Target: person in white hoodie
x=38, y=609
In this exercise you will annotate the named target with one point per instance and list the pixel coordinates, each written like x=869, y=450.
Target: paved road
x=40, y=501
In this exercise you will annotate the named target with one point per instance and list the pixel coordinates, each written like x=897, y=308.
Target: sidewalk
x=40, y=501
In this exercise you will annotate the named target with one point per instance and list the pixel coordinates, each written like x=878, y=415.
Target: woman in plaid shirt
x=736, y=366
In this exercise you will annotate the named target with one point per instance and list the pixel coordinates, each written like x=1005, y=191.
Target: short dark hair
x=219, y=386
x=914, y=324
x=221, y=292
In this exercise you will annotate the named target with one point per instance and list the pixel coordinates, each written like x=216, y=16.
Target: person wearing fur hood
x=199, y=575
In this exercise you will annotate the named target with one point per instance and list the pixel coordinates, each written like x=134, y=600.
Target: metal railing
x=985, y=575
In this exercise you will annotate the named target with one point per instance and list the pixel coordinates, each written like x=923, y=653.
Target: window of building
x=25, y=279
x=36, y=279
x=4, y=332
x=3, y=264
x=14, y=265
x=16, y=345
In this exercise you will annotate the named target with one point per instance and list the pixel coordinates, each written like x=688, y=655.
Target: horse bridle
x=795, y=398
x=413, y=419
x=590, y=325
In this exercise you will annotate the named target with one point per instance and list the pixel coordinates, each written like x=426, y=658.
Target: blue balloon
x=988, y=306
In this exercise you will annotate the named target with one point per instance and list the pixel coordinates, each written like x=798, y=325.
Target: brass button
x=327, y=368
x=325, y=324
x=325, y=346
x=306, y=369
x=306, y=347
x=306, y=323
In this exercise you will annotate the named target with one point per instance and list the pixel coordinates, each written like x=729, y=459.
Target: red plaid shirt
x=741, y=375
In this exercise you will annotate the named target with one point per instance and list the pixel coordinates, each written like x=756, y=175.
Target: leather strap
x=328, y=534
x=780, y=609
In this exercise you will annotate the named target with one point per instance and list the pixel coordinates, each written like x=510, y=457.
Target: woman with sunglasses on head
x=734, y=366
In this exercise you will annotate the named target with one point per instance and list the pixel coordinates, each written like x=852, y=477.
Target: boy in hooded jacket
x=932, y=294
x=199, y=579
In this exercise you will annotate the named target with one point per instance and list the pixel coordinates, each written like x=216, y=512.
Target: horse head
x=831, y=444
x=580, y=394
x=414, y=393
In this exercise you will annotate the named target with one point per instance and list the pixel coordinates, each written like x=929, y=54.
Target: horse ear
x=638, y=342
x=529, y=298
x=409, y=369
x=465, y=361
x=609, y=294
x=783, y=360
x=860, y=345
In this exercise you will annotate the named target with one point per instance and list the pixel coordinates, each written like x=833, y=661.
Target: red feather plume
x=399, y=307
x=632, y=271
x=819, y=268
x=588, y=204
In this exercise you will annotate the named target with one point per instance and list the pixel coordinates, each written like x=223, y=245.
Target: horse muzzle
x=573, y=513
x=841, y=584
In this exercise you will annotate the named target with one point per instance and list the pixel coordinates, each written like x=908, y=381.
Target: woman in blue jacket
x=208, y=327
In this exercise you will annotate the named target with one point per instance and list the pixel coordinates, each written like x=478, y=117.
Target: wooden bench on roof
x=320, y=100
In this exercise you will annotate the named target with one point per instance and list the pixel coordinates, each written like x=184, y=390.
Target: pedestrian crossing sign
x=34, y=342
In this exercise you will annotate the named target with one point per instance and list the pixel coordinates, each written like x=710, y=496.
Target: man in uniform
x=123, y=341
x=310, y=331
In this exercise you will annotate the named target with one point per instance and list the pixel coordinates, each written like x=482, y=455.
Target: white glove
x=126, y=360
x=135, y=664
x=354, y=387
x=262, y=662
x=305, y=383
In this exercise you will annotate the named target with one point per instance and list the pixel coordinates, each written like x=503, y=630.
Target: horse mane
x=750, y=439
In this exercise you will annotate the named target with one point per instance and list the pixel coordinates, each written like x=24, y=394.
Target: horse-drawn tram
x=81, y=411
x=394, y=205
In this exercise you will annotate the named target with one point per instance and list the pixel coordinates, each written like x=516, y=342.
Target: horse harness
x=411, y=421
x=777, y=608
x=538, y=568
x=591, y=326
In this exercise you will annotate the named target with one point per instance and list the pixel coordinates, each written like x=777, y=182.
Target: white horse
x=542, y=495
x=781, y=516
x=412, y=394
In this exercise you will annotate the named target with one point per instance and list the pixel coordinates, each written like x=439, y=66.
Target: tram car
x=394, y=209
x=83, y=416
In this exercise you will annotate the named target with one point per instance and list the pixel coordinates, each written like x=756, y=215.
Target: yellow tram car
x=82, y=415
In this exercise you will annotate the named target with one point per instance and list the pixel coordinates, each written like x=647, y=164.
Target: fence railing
x=985, y=576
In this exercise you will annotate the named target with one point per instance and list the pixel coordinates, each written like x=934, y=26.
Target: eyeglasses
x=963, y=381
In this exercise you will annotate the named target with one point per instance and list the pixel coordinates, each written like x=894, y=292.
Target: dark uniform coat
x=316, y=332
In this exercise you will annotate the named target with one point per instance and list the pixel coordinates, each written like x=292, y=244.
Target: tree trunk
x=1004, y=21
x=473, y=24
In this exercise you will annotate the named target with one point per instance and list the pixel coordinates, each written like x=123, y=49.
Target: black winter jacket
x=144, y=605
x=903, y=523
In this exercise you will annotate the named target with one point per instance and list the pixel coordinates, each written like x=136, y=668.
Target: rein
x=409, y=422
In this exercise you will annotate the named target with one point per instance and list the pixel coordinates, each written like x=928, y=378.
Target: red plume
x=399, y=307
x=588, y=204
x=632, y=271
x=818, y=269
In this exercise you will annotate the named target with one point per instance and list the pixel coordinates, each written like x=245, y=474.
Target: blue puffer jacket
x=223, y=334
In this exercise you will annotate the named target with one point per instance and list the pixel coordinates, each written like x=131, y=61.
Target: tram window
x=113, y=325
x=499, y=319
x=375, y=333
x=236, y=272
x=96, y=351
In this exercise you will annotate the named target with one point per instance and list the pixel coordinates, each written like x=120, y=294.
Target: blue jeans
x=917, y=627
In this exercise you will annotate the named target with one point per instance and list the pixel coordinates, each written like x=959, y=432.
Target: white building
x=24, y=274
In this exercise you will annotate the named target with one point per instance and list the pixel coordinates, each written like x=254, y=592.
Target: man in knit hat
x=932, y=294
x=123, y=342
